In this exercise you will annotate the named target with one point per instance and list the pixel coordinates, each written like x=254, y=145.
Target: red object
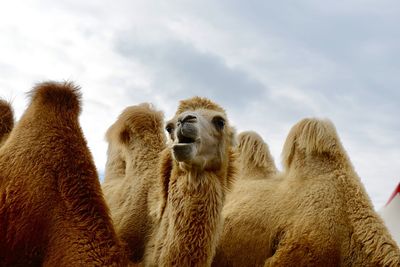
x=396, y=191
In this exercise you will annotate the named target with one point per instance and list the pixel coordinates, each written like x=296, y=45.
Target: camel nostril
x=189, y=119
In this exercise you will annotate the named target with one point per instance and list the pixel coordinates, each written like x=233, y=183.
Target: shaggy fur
x=52, y=212
x=196, y=103
x=130, y=185
x=6, y=121
x=243, y=241
x=255, y=161
x=317, y=214
x=193, y=196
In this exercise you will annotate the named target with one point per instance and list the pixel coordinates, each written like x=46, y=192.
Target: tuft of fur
x=52, y=212
x=312, y=137
x=198, y=103
x=58, y=97
x=255, y=160
x=6, y=120
x=135, y=141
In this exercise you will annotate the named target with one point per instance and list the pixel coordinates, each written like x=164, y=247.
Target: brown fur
x=130, y=186
x=254, y=160
x=6, y=121
x=192, y=202
x=316, y=213
x=52, y=212
x=197, y=102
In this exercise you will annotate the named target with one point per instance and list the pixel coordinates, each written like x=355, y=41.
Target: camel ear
x=165, y=175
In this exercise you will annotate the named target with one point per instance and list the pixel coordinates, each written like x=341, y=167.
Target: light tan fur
x=243, y=241
x=131, y=179
x=254, y=159
x=316, y=213
x=52, y=212
x=6, y=121
x=195, y=185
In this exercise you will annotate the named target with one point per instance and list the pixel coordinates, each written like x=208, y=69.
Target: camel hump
x=6, y=118
x=311, y=136
x=140, y=121
x=254, y=153
x=59, y=97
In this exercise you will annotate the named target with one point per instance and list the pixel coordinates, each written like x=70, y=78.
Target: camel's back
x=246, y=234
x=258, y=213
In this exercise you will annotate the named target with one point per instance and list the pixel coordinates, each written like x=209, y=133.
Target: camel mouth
x=186, y=140
x=187, y=135
x=185, y=146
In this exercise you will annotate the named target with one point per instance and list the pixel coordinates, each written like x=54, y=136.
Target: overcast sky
x=269, y=63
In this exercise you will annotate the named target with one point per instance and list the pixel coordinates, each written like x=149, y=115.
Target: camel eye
x=219, y=122
x=169, y=128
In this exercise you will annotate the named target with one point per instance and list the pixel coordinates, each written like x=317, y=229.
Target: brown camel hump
x=198, y=103
x=52, y=211
x=63, y=97
x=6, y=118
x=311, y=136
x=139, y=121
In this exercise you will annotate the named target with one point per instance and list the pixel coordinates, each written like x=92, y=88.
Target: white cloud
x=269, y=64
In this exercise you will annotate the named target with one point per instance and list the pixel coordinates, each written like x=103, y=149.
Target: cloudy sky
x=269, y=63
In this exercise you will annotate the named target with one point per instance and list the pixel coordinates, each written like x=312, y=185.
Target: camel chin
x=184, y=152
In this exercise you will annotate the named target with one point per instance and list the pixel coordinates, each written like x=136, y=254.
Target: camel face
x=198, y=138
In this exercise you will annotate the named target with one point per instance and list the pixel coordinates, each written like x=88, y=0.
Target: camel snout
x=187, y=133
x=188, y=118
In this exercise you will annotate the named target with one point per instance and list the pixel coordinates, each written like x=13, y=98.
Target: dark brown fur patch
x=6, y=118
x=60, y=96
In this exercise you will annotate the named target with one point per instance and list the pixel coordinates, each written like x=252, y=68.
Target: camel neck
x=194, y=218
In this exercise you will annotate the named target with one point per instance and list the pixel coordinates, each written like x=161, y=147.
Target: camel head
x=201, y=136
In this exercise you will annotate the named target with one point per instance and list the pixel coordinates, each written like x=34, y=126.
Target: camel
x=6, y=121
x=197, y=170
x=131, y=181
x=315, y=213
x=52, y=212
